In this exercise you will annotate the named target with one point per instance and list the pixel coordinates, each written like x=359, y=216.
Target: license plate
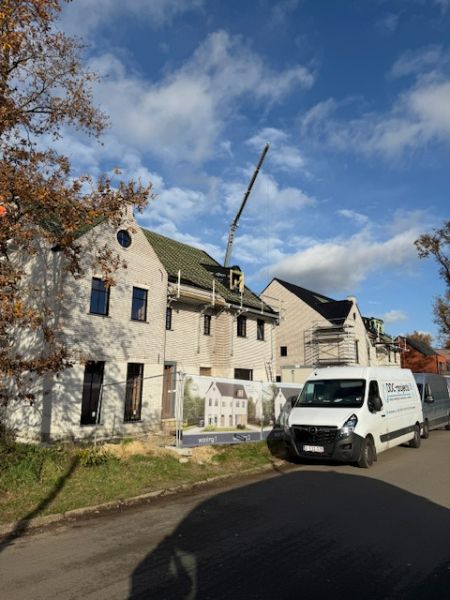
x=319, y=449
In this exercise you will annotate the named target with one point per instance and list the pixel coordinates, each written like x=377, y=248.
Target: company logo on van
x=397, y=388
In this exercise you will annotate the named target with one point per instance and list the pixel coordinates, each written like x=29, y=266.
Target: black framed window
x=260, y=329
x=246, y=374
x=99, y=297
x=168, y=318
x=356, y=351
x=92, y=392
x=133, y=398
x=283, y=350
x=242, y=326
x=139, y=304
x=207, y=324
x=124, y=238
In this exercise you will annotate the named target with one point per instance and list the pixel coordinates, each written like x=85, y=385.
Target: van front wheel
x=425, y=430
x=415, y=442
x=367, y=455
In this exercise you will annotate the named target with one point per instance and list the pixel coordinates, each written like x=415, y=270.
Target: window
x=260, y=329
x=242, y=326
x=207, y=324
x=124, y=238
x=133, y=398
x=168, y=318
x=332, y=393
x=99, y=297
x=139, y=305
x=283, y=350
x=357, y=352
x=92, y=388
x=246, y=374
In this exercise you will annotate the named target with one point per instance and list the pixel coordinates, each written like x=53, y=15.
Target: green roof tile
x=198, y=269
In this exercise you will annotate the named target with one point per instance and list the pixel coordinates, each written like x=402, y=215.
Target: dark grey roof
x=335, y=311
x=198, y=269
x=421, y=347
x=229, y=389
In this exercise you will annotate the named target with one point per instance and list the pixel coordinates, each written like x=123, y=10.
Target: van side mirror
x=375, y=404
x=429, y=399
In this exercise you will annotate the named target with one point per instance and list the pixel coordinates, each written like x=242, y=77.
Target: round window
x=124, y=238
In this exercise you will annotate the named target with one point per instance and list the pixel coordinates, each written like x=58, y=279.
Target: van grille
x=314, y=434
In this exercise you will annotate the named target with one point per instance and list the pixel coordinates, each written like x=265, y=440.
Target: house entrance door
x=169, y=391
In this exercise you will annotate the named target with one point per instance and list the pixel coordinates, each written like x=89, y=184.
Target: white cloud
x=444, y=5
x=419, y=117
x=341, y=265
x=393, y=316
x=180, y=118
x=283, y=9
x=84, y=16
x=283, y=155
x=257, y=250
x=416, y=61
x=388, y=23
x=352, y=215
x=266, y=197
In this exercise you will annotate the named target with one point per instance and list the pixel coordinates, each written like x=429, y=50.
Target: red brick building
x=420, y=357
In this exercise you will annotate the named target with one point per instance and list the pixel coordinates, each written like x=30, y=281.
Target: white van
x=351, y=414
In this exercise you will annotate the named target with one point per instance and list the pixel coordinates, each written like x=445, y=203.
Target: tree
x=419, y=336
x=44, y=88
x=437, y=244
x=193, y=404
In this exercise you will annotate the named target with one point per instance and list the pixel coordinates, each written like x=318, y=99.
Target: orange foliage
x=44, y=200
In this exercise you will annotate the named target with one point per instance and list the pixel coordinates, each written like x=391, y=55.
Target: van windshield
x=333, y=393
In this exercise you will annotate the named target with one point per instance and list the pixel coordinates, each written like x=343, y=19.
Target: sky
x=353, y=97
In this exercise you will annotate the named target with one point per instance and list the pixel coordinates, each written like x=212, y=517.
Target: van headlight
x=349, y=426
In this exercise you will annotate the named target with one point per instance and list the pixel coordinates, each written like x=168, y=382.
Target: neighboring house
x=317, y=331
x=445, y=352
x=212, y=328
x=421, y=357
x=170, y=310
x=384, y=349
x=225, y=405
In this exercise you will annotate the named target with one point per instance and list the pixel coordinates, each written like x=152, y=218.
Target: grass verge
x=37, y=481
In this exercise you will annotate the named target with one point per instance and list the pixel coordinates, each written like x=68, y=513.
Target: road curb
x=26, y=525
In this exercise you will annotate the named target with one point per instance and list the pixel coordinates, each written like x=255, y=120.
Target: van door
x=376, y=420
x=430, y=404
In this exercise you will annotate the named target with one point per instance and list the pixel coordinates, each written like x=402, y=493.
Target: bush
x=93, y=456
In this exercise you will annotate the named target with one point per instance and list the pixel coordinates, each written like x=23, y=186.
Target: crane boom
x=234, y=223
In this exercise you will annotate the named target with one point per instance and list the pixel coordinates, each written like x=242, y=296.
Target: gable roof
x=229, y=389
x=421, y=347
x=335, y=311
x=198, y=269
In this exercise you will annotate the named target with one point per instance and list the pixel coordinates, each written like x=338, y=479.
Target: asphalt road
x=318, y=531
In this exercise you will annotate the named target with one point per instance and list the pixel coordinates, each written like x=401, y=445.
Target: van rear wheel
x=425, y=430
x=415, y=442
x=367, y=455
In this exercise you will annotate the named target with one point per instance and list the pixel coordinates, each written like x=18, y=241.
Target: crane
x=234, y=223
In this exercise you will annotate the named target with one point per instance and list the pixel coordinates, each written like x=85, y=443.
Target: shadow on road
x=306, y=534
x=24, y=523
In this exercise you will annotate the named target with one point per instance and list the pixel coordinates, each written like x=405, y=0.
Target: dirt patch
x=143, y=447
x=204, y=454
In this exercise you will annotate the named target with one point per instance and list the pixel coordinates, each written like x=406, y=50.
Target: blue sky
x=354, y=99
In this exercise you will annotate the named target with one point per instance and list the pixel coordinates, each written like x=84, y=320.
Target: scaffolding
x=331, y=345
